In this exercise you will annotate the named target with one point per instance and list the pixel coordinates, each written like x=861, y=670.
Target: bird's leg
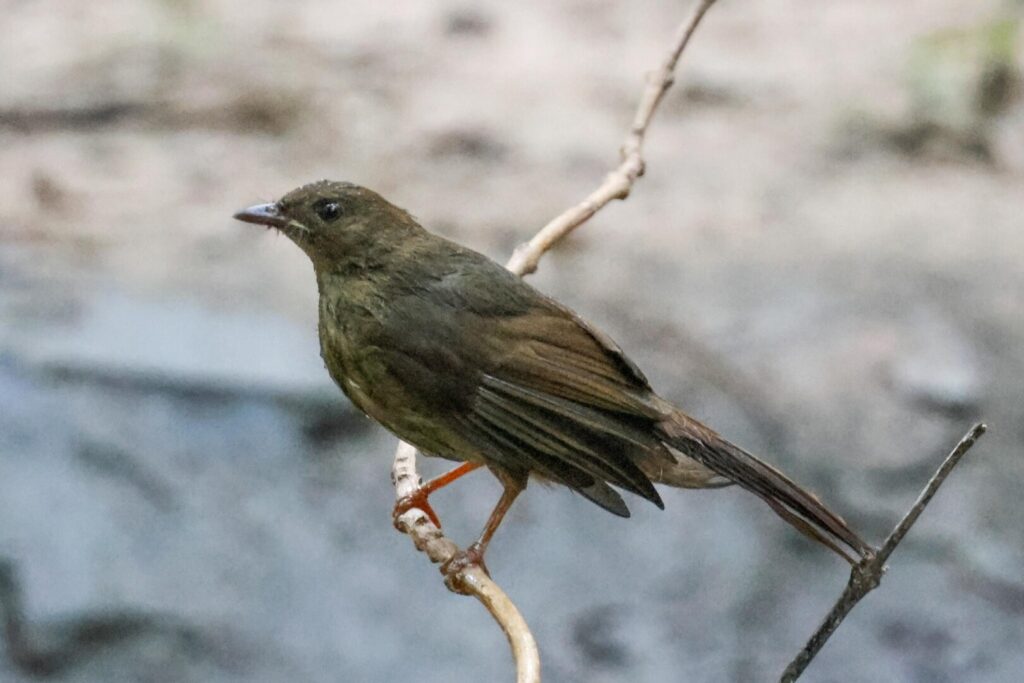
x=474, y=554
x=418, y=499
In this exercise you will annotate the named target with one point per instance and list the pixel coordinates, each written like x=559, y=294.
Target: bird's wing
x=526, y=383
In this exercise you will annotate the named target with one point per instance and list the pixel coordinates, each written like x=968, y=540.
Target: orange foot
x=453, y=569
x=418, y=500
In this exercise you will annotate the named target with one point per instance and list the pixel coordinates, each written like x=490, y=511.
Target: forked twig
x=426, y=536
x=866, y=575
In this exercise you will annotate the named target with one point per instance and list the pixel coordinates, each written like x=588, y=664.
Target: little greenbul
x=461, y=358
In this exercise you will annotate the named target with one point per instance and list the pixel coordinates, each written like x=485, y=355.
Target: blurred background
x=824, y=261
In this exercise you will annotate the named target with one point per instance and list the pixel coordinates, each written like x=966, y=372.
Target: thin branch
x=865, y=576
x=471, y=581
x=619, y=182
x=427, y=537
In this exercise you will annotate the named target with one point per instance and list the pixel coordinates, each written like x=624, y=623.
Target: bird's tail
x=797, y=506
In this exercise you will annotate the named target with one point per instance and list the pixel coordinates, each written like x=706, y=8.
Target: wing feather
x=524, y=384
x=559, y=435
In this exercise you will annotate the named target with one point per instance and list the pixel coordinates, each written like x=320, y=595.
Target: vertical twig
x=618, y=183
x=472, y=581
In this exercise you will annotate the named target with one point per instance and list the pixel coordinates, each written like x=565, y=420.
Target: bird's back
x=465, y=360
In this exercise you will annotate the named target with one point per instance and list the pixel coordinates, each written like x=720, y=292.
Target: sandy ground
x=823, y=261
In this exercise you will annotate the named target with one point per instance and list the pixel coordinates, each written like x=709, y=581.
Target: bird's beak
x=263, y=214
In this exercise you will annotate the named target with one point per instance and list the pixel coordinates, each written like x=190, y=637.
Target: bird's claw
x=418, y=500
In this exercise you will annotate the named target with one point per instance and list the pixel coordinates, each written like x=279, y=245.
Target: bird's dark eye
x=327, y=209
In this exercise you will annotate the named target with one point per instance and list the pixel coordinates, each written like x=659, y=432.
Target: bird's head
x=336, y=223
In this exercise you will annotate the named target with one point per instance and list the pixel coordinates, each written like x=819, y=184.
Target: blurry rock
x=1006, y=595
x=180, y=344
x=594, y=634
x=997, y=87
x=472, y=144
x=957, y=76
x=710, y=94
x=914, y=137
x=51, y=648
x=62, y=116
x=263, y=111
x=49, y=194
x=909, y=635
x=958, y=82
x=926, y=138
x=467, y=21
x=258, y=109
x=936, y=367
x=326, y=428
x=110, y=461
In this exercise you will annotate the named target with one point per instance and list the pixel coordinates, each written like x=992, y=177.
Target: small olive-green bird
x=459, y=357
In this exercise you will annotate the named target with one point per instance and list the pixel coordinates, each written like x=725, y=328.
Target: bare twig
x=619, y=182
x=426, y=536
x=866, y=575
x=471, y=581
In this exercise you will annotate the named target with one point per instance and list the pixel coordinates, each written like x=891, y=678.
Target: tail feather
x=794, y=504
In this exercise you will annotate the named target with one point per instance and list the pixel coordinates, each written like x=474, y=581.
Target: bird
x=466, y=361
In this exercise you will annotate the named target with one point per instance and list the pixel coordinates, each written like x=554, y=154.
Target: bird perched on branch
x=461, y=358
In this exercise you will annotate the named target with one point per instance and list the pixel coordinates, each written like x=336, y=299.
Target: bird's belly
x=375, y=389
x=384, y=400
